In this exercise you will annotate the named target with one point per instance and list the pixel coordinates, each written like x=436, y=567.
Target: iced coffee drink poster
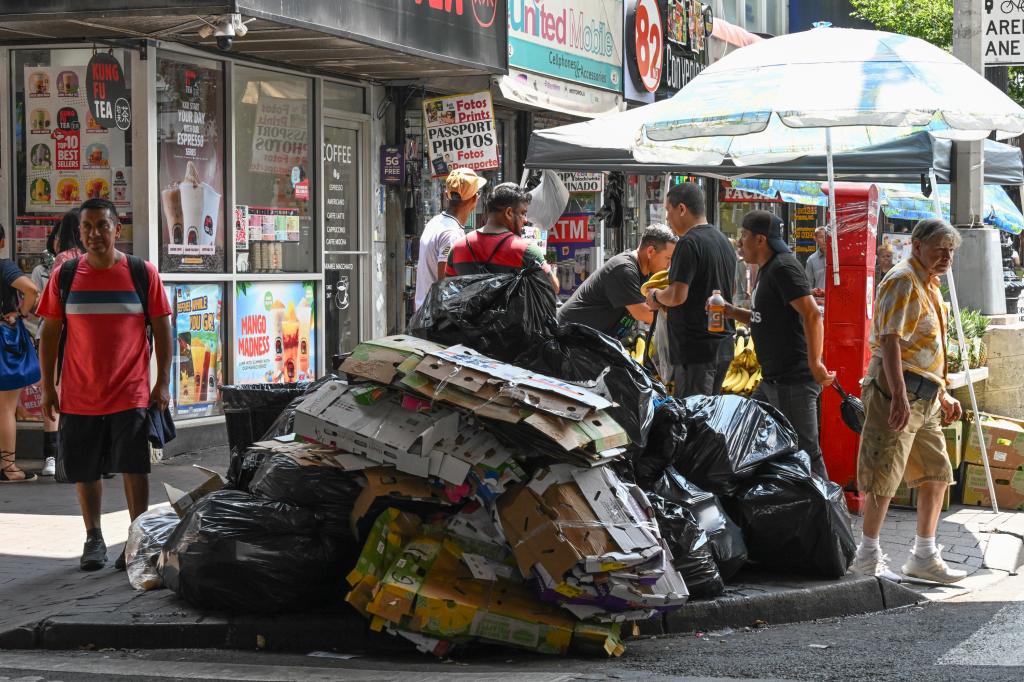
x=275, y=332
x=70, y=157
x=198, y=374
x=191, y=171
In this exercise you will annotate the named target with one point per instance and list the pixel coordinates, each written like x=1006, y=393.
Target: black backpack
x=140, y=280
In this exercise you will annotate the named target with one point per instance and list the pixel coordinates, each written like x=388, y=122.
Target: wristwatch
x=654, y=296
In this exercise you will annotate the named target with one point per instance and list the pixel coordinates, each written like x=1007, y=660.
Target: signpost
x=1003, y=28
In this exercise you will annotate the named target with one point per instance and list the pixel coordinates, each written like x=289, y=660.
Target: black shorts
x=91, y=445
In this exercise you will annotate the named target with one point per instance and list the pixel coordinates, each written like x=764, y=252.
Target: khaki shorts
x=917, y=454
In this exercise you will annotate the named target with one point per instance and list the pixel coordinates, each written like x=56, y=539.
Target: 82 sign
x=649, y=43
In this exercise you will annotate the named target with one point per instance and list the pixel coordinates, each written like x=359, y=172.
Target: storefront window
x=275, y=332
x=340, y=98
x=190, y=158
x=775, y=18
x=274, y=226
x=728, y=11
x=63, y=155
x=753, y=15
x=198, y=368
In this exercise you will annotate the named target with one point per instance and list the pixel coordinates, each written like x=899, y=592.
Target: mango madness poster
x=275, y=332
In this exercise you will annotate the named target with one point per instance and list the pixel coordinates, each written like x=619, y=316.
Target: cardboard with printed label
x=1004, y=441
x=390, y=532
x=954, y=435
x=1008, y=483
x=382, y=359
x=385, y=482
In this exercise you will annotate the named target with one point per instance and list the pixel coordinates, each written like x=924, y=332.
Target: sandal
x=9, y=468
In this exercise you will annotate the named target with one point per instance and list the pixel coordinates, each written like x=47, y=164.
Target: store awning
x=372, y=39
x=898, y=201
x=605, y=144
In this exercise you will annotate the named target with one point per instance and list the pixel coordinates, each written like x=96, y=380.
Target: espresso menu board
x=191, y=166
x=341, y=294
x=341, y=189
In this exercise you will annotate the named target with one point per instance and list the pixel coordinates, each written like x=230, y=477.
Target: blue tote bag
x=19, y=365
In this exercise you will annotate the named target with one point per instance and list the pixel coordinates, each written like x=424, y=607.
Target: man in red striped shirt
x=497, y=247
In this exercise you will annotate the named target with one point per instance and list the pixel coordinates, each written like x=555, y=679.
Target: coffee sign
x=106, y=91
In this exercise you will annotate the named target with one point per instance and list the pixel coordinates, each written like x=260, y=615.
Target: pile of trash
x=451, y=497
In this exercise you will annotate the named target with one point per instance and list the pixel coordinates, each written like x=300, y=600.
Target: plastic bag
x=690, y=547
x=667, y=434
x=497, y=315
x=146, y=537
x=547, y=200
x=727, y=438
x=727, y=545
x=583, y=355
x=659, y=352
x=794, y=521
x=240, y=553
x=251, y=409
x=327, y=489
x=285, y=421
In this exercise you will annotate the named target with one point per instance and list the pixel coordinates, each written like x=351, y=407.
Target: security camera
x=225, y=29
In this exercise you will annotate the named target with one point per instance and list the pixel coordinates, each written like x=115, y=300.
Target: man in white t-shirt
x=461, y=189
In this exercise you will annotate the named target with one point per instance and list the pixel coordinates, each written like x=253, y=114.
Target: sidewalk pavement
x=45, y=601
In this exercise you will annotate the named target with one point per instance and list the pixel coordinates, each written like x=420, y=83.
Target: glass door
x=344, y=249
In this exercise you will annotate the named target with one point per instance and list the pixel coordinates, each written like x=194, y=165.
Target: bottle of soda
x=716, y=312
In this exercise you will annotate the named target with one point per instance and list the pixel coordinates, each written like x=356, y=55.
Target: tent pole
x=829, y=166
x=965, y=356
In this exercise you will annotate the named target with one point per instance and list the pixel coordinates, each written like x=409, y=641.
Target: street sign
x=1003, y=24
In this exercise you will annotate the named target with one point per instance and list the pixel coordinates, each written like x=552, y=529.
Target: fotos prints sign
x=71, y=156
x=461, y=133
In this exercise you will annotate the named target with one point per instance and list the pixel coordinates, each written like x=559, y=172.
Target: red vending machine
x=849, y=308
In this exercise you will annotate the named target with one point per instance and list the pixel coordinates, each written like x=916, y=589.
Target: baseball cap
x=463, y=183
x=768, y=224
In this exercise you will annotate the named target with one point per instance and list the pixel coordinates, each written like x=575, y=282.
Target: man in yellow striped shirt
x=906, y=404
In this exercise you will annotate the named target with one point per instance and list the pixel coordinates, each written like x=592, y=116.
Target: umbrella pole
x=830, y=168
x=965, y=357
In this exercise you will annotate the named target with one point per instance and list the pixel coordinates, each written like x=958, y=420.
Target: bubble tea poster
x=198, y=357
x=275, y=332
x=191, y=166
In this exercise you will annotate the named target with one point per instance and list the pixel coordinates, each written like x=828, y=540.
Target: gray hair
x=933, y=230
x=658, y=235
x=820, y=229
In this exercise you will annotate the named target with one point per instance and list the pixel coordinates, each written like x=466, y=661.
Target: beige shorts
x=917, y=454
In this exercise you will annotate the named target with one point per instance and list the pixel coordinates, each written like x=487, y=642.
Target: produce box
x=954, y=435
x=1004, y=440
x=1009, y=485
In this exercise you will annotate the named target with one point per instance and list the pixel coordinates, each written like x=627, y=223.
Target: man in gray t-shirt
x=609, y=300
x=814, y=268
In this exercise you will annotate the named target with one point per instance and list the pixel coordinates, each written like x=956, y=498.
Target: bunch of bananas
x=744, y=374
x=658, y=280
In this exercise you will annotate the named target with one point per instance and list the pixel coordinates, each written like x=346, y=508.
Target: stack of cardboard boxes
x=1004, y=442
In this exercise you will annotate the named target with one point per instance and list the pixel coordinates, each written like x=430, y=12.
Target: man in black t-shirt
x=786, y=326
x=704, y=261
x=610, y=300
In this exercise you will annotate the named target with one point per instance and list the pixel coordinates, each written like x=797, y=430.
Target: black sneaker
x=94, y=555
x=120, y=564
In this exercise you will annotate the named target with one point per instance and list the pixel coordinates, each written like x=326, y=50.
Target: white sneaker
x=875, y=565
x=932, y=568
x=49, y=467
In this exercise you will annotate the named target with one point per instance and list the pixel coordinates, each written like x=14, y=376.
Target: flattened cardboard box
x=390, y=532
x=384, y=432
x=393, y=484
x=181, y=501
x=382, y=359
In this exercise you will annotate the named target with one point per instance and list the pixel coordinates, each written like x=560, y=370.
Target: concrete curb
x=347, y=630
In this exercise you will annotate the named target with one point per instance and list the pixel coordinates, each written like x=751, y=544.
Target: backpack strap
x=140, y=280
x=65, y=278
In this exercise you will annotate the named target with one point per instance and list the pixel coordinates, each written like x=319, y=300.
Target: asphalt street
x=976, y=637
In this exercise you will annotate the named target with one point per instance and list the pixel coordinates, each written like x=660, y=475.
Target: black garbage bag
x=794, y=521
x=497, y=315
x=251, y=409
x=583, y=355
x=312, y=484
x=146, y=537
x=690, y=547
x=243, y=466
x=727, y=545
x=667, y=435
x=285, y=421
x=727, y=438
x=239, y=553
